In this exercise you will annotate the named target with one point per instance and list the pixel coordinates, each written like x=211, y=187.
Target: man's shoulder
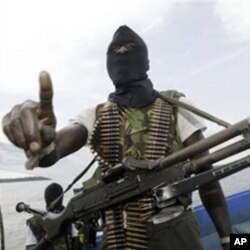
x=105, y=106
x=35, y=220
x=172, y=93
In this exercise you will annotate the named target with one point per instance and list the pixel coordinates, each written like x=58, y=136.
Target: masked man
x=36, y=230
x=135, y=121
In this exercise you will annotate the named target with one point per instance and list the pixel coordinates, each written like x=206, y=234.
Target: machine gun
x=133, y=177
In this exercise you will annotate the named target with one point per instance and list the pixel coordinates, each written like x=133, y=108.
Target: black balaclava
x=51, y=193
x=128, y=71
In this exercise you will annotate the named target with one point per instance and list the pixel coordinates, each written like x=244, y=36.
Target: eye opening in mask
x=121, y=48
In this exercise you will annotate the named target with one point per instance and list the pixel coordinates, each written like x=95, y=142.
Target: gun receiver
x=134, y=177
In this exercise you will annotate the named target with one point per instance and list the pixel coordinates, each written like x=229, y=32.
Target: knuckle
x=15, y=123
x=6, y=120
x=6, y=129
x=15, y=108
x=15, y=113
x=24, y=112
x=29, y=104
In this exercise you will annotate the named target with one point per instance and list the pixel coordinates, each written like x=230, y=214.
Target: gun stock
x=138, y=179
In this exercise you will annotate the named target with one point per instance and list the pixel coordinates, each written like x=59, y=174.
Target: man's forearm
x=212, y=196
x=68, y=140
x=214, y=201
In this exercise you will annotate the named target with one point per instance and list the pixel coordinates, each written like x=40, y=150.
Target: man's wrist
x=225, y=240
x=34, y=161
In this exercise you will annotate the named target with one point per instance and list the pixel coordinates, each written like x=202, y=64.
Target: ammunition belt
x=114, y=233
x=126, y=224
x=137, y=214
x=159, y=130
x=104, y=139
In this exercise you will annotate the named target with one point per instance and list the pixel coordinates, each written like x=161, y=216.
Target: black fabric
x=52, y=192
x=128, y=70
x=135, y=95
x=180, y=233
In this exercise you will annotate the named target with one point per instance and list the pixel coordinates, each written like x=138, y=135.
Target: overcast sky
x=198, y=47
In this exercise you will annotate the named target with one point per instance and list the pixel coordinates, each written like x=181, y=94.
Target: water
x=32, y=192
x=15, y=223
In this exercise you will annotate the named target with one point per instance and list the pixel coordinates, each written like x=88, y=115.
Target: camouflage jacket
x=37, y=227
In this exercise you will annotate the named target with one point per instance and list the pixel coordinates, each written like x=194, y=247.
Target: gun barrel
x=193, y=183
x=22, y=207
x=197, y=148
x=195, y=166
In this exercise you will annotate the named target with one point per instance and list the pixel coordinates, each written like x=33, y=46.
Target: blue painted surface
x=239, y=207
x=98, y=244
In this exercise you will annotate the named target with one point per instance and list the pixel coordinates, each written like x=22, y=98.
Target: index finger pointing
x=46, y=91
x=45, y=109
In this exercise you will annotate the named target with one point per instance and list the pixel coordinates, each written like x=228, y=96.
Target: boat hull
x=239, y=208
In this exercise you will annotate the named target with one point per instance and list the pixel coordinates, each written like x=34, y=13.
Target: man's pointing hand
x=31, y=125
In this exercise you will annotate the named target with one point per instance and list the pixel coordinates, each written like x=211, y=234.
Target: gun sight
x=21, y=207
